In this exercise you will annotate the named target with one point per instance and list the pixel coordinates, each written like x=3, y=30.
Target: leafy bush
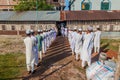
x=25, y=5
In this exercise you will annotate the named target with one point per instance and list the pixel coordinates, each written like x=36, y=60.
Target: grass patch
x=11, y=65
x=112, y=44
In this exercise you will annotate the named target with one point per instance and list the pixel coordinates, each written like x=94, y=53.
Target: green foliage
x=112, y=44
x=26, y=5
x=11, y=65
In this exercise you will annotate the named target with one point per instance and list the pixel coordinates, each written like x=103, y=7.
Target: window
x=22, y=27
x=3, y=27
x=115, y=28
x=12, y=27
x=10, y=9
x=101, y=27
x=40, y=27
x=111, y=28
x=5, y=9
x=32, y=27
x=55, y=0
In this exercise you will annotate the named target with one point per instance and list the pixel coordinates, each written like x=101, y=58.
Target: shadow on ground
x=55, y=53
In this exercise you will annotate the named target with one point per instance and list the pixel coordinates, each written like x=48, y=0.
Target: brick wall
x=104, y=25
x=11, y=32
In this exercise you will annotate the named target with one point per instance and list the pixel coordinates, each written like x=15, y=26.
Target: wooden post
x=18, y=28
x=18, y=33
x=117, y=74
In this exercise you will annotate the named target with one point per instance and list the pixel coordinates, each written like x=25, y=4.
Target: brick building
x=106, y=20
x=20, y=21
x=7, y=5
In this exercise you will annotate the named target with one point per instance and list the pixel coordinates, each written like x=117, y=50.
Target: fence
x=111, y=35
x=12, y=32
x=108, y=35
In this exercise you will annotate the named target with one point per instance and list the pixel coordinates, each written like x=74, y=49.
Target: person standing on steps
x=29, y=53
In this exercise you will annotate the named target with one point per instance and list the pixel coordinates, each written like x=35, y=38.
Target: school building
x=12, y=22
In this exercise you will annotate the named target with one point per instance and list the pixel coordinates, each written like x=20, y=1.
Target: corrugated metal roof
x=30, y=16
x=92, y=15
x=59, y=16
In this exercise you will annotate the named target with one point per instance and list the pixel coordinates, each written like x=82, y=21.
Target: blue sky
x=66, y=3
x=96, y=4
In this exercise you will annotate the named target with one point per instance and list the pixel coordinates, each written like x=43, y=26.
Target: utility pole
x=37, y=13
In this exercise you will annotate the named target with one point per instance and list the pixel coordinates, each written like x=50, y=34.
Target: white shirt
x=78, y=43
x=86, y=56
x=29, y=53
x=97, y=39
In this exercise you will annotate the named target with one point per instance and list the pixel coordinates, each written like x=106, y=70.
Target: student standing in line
x=78, y=43
x=86, y=53
x=29, y=53
x=97, y=40
x=39, y=44
x=35, y=48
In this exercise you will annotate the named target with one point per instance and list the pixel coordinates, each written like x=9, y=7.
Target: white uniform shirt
x=97, y=39
x=29, y=53
x=86, y=55
x=73, y=38
x=78, y=43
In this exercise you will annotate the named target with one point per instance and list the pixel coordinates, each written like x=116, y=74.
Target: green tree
x=26, y=5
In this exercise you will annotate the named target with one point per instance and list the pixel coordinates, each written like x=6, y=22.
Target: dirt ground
x=57, y=63
x=11, y=44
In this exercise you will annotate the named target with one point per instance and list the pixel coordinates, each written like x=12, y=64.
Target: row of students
x=82, y=43
x=36, y=45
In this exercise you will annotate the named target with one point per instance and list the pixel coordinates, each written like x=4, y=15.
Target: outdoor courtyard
x=57, y=64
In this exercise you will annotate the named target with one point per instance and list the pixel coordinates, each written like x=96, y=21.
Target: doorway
x=59, y=25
